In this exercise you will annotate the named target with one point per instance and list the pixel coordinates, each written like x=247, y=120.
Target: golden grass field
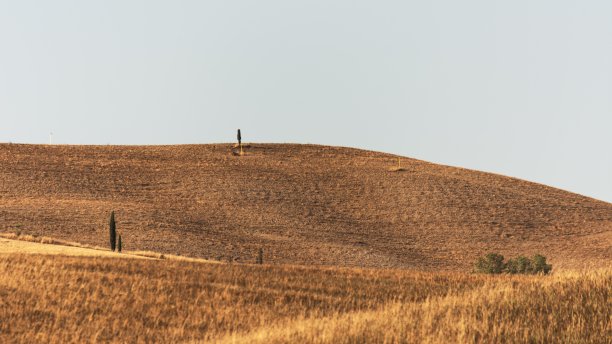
x=303, y=204
x=61, y=299
x=26, y=247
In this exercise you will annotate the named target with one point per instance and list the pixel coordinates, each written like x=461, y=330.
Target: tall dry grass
x=47, y=240
x=56, y=299
x=564, y=309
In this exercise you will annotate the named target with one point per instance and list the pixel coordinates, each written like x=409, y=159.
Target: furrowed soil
x=302, y=204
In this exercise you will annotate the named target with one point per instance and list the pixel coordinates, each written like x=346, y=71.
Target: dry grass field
x=303, y=204
x=8, y=246
x=60, y=299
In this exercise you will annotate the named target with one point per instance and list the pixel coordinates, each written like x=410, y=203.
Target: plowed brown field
x=304, y=204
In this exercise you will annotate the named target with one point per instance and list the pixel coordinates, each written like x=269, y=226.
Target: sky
x=522, y=88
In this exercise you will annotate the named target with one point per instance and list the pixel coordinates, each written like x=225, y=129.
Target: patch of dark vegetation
x=493, y=263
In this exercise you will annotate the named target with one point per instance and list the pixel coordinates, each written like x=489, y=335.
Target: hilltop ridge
x=303, y=204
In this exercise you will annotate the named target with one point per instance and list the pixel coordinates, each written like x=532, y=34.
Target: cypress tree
x=239, y=136
x=113, y=231
x=260, y=256
x=119, y=244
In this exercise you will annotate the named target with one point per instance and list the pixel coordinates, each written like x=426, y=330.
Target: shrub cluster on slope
x=493, y=263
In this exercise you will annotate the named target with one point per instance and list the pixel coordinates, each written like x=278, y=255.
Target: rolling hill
x=303, y=204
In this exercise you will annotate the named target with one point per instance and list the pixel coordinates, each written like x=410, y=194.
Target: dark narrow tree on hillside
x=113, y=231
x=119, y=244
x=239, y=137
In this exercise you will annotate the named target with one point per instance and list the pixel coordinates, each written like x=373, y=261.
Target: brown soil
x=304, y=204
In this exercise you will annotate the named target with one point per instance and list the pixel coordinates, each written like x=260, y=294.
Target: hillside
x=304, y=204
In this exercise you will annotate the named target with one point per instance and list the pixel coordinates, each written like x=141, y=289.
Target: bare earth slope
x=304, y=204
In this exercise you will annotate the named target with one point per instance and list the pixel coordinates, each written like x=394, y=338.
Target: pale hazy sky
x=522, y=88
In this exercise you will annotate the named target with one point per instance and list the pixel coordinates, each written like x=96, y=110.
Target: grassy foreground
x=60, y=299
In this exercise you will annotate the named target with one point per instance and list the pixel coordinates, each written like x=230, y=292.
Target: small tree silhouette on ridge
x=112, y=231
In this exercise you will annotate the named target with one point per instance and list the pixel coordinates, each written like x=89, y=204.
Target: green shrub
x=523, y=265
x=512, y=266
x=492, y=263
x=540, y=266
x=520, y=265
